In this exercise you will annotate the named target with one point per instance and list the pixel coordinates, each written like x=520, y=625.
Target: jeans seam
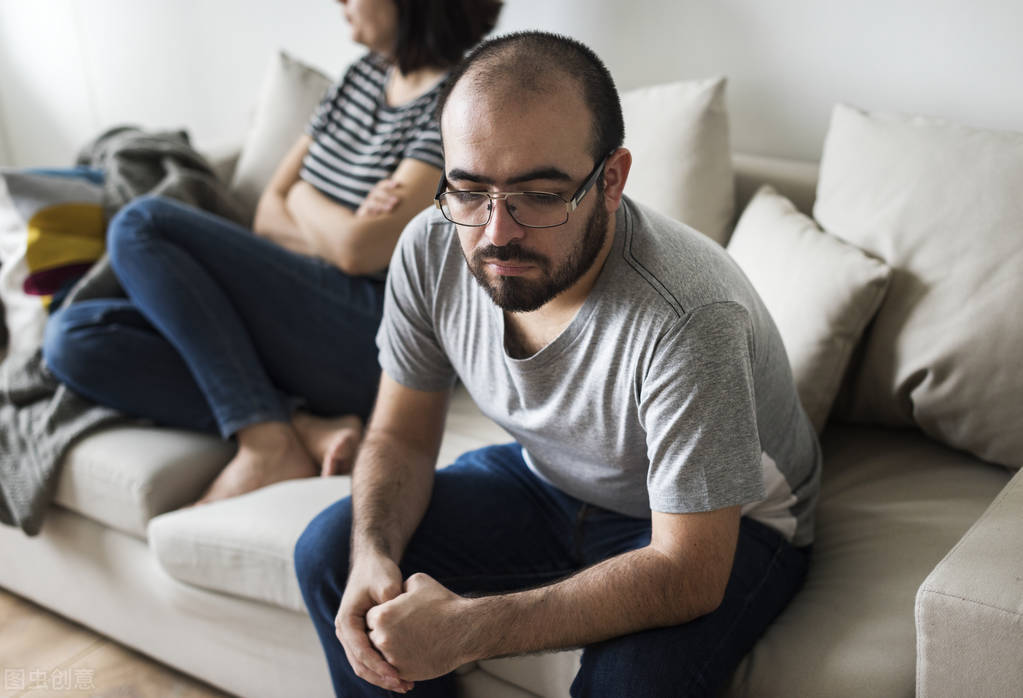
x=701, y=672
x=276, y=260
x=262, y=407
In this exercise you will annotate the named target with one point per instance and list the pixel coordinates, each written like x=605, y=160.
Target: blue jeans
x=221, y=328
x=492, y=526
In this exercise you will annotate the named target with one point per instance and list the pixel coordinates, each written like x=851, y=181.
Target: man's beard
x=518, y=295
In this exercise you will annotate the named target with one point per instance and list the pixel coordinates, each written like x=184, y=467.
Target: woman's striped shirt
x=358, y=139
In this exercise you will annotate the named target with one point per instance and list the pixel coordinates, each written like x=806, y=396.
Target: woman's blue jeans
x=492, y=526
x=221, y=328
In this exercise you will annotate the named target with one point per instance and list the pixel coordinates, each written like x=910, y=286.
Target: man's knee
x=321, y=556
x=650, y=663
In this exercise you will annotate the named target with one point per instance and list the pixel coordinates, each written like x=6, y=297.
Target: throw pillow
x=290, y=93
x=51, y=231
x=941, y=204
x=820, y=291
x=681, y=157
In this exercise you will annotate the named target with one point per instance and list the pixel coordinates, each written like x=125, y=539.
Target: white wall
x=71, y=67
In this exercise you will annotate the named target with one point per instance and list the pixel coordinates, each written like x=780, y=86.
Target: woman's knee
x=62, y=356
x=133, y=223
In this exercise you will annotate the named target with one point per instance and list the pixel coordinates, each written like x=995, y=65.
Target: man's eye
x=542, y=199
x=467, y=198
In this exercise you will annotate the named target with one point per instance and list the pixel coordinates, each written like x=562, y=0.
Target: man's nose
x=502, y=228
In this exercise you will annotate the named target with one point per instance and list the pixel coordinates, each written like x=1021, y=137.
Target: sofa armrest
x=969, y=610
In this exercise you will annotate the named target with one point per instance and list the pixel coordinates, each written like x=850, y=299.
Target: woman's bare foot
x=268, y=452
x=332, y=441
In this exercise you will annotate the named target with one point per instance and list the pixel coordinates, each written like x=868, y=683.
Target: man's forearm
x=631, y=592
x=391, y=487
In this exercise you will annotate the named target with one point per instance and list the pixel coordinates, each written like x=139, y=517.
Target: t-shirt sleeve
x=410, y=352
x=321, y=115
x=699, y=410
x=425, y=142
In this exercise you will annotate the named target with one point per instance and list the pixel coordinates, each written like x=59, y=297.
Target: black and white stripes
x=358, y=139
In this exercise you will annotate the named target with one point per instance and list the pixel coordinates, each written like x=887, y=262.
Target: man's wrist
x=488, y=623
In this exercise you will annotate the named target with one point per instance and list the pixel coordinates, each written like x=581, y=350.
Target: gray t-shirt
x=670, y=390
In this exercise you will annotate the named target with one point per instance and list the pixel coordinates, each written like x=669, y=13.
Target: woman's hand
x=382, y=198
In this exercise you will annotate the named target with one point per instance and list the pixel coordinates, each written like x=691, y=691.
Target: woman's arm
x=361, y=244
x=272, y=217
x=292, y=213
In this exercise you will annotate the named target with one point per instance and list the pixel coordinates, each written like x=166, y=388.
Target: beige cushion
x=290, y=93
x=969, y=611
x=681, y=159
x=893, y=502
x=940, y=203
x=124, y=476
x=820, y=291
x=244, y=546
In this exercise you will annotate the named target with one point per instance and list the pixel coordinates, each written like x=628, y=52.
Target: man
x=656, y=507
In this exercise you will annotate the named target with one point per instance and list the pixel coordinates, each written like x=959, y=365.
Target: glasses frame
x=570, y=205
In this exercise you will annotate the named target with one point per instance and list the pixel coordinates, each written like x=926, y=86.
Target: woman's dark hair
x=437, y=33
x=529, y=60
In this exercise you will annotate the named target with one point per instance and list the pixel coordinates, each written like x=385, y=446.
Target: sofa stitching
x=936, y=592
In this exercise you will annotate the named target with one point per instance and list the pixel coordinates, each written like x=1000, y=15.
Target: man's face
x=540, y=145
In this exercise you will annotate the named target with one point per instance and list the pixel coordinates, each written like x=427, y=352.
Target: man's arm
x=681, y=575
x=391, y=485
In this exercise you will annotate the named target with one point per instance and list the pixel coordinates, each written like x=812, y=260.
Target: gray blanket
x=40, y=418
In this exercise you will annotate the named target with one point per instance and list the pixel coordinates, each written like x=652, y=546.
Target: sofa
x=892, y=269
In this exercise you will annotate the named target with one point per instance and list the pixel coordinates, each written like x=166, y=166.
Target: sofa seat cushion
x=124, y=476
x=893, y=503
x=244, y=545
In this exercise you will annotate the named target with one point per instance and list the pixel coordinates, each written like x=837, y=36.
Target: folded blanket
x=40, y=418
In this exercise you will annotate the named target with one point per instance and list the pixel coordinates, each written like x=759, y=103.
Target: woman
x=255, y=335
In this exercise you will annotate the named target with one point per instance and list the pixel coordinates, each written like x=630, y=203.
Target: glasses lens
x=531, y=209
x=465, y=207
x=538, y=209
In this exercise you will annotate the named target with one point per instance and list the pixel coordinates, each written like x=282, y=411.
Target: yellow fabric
x=65, y=233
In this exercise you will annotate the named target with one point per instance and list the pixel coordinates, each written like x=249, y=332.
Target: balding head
x=519, y=68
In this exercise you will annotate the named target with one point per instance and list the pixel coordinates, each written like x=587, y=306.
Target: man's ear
x=616, y=172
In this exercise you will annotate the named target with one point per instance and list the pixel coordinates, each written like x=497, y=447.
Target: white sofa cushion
x=681, y=158
x=244, y=545
x=291, y=91
x=892, y=504
x=820, y=291
x=124, y=476
x=940, y=203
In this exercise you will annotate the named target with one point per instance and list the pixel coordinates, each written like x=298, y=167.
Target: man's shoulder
x=684, y=267
x=424, y=244
x=428, y=229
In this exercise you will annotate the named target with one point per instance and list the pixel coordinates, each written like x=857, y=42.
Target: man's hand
x=374, y=579
x=381, y=199
x=421, y=632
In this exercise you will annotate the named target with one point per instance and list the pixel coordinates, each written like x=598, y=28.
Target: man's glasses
x=530, y=209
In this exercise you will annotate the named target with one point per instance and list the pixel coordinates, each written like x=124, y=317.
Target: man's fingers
x=365, y=660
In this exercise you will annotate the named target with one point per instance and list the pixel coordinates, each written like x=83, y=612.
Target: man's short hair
x=532, y=61
x=437, y=33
